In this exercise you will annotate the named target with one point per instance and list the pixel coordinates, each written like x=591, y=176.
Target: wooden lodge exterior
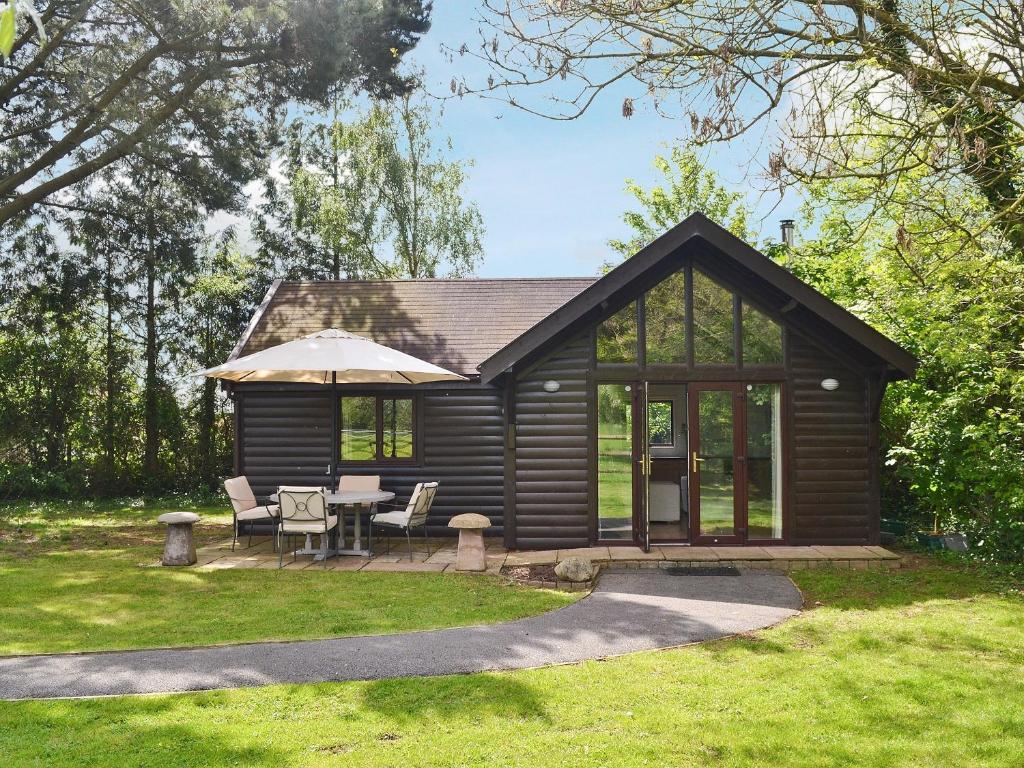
x=696, y=394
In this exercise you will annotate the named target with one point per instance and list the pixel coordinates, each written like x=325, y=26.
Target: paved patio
x=443, y=551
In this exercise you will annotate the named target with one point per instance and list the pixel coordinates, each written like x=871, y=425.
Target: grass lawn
x=914, y=668
x=73, y=580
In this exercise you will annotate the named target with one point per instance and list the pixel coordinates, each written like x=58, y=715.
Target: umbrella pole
x=334, y=430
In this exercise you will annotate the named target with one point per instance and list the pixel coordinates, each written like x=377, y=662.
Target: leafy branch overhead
x=867, y=90
x=110, y=75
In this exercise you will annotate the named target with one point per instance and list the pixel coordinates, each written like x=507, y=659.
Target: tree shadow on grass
x=455, y=696
x=150, y=732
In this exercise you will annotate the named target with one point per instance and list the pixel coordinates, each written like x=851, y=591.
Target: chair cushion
x=391, y=518
x=260, y=513
x=308, y=526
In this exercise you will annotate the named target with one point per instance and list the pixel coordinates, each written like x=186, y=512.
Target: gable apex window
x=617, y=337
x=376, y=429
x=714, y=340
x=762, y=338
x=665, y=321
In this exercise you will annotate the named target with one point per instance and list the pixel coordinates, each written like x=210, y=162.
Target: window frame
x=378, y=410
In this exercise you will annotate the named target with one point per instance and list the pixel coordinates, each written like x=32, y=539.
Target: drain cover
x=711, y=570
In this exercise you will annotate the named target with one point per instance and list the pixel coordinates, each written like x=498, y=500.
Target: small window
x=659, y=422
x=397, y=443
x=616, y=337
x=762, y=338
x=665, y=321
x=713, y=340
x=376, y=428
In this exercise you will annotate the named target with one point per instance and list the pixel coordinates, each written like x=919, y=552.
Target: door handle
x=695, y=460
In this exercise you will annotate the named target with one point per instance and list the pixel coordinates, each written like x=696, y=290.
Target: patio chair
x=247, y=510
x=358, y=483
x=413, y=516
x=304, y=512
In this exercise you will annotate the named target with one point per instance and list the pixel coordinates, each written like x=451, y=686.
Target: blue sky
x=551, y=192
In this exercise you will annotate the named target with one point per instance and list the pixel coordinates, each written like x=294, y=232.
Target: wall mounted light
x=551, y=386
x=830, y=384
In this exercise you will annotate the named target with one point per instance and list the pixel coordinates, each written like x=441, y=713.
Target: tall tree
x=688, y=186
x=216, y=304
x=373, y=196
x=954, y=435
x=867, y=90
x=110, y=75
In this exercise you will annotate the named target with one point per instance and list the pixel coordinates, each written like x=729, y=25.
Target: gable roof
x=452, y=323
x=721, y=252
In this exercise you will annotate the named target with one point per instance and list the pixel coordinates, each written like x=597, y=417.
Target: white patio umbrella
x=331, y=356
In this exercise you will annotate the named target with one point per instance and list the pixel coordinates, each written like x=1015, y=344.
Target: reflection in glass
x=397, y=418
x=762, y=338
x=764, y=465
x=715, y=450
x=665, y=321
x=614, y=461
x=713, y=341
x=616, y=337
x=358, y=428
x=659, y=422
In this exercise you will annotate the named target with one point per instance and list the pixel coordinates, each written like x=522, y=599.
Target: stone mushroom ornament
x=471, y=528
x=179, y=548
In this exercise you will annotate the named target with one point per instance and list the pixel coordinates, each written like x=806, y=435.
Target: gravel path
x=628, y=612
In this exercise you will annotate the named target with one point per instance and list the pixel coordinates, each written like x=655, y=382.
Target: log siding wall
x=285, y=438
x=830, y=470
x=552, y=504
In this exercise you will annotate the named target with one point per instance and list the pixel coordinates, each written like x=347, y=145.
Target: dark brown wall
x=551, y=462
x=831, y=489
x=286, y=439
x=830, y=473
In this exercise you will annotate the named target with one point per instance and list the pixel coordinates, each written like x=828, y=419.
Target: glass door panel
x=764, y=461
x=615, y=462
x=713, y=464
x=644, y=467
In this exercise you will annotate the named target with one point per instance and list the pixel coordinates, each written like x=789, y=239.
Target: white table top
x=351, y=497
x=359, y=497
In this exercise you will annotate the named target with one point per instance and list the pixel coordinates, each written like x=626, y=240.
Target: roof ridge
x=449, y=280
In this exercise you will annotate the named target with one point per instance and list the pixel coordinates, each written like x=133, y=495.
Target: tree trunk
x=207, y=447
x=109, y=462
x=150, y=396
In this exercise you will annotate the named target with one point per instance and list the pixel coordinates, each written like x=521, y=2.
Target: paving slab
x=793, y=553
x=741, y=553
x=882, y=553
x=841, y=553
x=688, y=554
x=597, y=554
x=626, y=612
x=404, y=567
x=532, y=557
x=619, y=554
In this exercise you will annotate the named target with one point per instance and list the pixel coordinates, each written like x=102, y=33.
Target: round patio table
x=344, y=499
